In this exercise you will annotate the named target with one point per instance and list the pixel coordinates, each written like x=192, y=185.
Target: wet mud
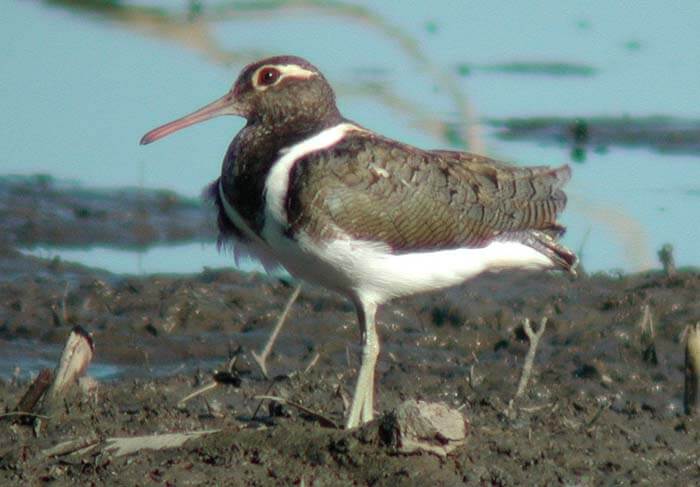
x=600, y=408
x=40, y=210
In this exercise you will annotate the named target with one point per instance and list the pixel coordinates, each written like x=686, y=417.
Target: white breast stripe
x=277, y=183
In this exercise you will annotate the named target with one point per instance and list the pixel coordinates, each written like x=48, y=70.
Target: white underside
x=370, y=271
x=362, y=269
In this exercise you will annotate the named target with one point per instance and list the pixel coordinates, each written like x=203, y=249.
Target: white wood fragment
x=76, y=356
x=120, y=446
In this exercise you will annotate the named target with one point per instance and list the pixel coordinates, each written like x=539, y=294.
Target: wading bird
x=364, y=215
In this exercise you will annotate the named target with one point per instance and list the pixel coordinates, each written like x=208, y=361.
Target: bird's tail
x=547, y=243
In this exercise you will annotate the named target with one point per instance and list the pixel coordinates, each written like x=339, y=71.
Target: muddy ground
x=598, y=411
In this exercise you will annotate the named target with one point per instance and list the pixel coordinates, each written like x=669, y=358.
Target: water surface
x=81, y=88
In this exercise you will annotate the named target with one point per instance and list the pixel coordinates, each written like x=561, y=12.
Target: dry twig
x=71, y=446
x=667, y=261
x=34, y=393
x=312, y=362
x=691, y=395
x=262, y=358
x=340, y=392
x=324, y=420
x=227, y=377
x=534, y=338
x=647, y=336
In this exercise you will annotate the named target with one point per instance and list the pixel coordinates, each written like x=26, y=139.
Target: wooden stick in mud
x=647, y=336
x=691, y=397
x=534, y=337
x=76, y=356
x=227, y=377
x=262, y=358
x=667, y=261
x=34, y=392
x=323, y=420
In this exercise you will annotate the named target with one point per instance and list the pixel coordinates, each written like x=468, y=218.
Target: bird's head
x=282, y=94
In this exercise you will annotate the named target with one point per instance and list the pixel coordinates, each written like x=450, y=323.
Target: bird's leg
x=362, y=409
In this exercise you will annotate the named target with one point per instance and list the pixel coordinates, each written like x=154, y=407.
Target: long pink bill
x=226, y=105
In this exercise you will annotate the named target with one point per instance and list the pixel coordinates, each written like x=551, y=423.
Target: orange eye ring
x=268, y=76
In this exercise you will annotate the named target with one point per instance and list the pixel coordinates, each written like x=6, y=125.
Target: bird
x=371, y=218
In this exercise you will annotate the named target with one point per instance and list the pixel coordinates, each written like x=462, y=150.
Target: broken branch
x=534, y=338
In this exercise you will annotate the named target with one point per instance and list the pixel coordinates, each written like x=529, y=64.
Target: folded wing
x=415, y=200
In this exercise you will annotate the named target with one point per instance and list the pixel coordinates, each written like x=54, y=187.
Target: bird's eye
x=268, y=76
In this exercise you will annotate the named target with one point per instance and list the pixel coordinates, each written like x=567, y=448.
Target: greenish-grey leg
x=362, y=409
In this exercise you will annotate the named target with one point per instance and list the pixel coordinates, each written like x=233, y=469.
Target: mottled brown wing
x=373, y=188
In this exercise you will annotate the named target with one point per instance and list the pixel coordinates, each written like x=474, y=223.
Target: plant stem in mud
x=692, y=371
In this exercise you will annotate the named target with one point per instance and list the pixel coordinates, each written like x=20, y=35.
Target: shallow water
x=159, y=259
x=402, y=72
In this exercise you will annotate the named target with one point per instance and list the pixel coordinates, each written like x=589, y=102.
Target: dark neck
x=292, y=128
x=262, y=142
x=249, y=158
x=305, y=108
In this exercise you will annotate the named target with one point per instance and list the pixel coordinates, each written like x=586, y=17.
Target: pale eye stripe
x=286, y=71
x=296, y=71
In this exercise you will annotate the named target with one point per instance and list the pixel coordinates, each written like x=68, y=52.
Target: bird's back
x=372, y=188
